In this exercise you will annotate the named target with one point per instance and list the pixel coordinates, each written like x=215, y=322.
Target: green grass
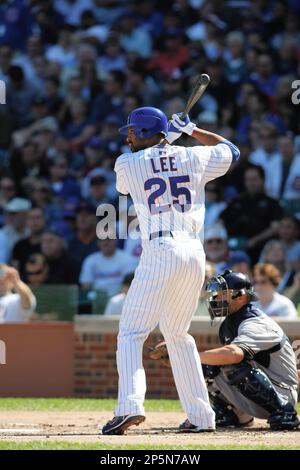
x=92, y=404
x=82, y=404
x=55, y=445
x=78, y=404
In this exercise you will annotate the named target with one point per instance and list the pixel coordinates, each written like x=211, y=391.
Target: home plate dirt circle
x=160, y=428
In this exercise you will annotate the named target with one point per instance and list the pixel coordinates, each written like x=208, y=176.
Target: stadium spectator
x=84, y=242
x=106, y=269
x=63, y=268
x=32, y=244
x=266, y=280
x=36, y=270
x=252, y=205
x=288, y=231
x=15, y=227
x=75, y=68
x=62, y=183
x=240, y=262
x=274, y=253
x=283, y=174
x=115, y=304
x=7, y=192
x=216, y=246
x=214, y=204
x=17, y=301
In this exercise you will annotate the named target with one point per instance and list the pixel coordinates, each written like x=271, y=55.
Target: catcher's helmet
x=147, y=121
x=233, y=285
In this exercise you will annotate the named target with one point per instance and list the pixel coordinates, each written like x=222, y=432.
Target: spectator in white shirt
x=17, y=301
x=283, y=175
x=15, y=228
x=106, y=269
x=266, y=281
x=267, y=154
x=115, y=304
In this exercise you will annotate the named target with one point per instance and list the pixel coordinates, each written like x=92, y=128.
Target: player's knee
x=234, y=373
x=132, y=336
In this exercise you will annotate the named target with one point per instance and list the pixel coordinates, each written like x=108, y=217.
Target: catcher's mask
x=220, y=290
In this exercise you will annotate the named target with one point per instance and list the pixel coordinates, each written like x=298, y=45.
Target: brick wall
x=95, y=357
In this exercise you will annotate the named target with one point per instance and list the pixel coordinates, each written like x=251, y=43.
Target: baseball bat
x=199, y=88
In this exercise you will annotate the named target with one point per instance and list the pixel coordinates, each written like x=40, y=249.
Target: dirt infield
x=159, y=428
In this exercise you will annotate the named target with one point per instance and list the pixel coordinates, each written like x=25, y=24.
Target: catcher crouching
x=253, y=373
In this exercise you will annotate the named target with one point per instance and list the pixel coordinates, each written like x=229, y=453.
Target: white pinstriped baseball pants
x=165, y=291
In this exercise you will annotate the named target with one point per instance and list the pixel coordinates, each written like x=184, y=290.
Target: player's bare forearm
x=225, y=355
x=25, y=294
x=206, y=137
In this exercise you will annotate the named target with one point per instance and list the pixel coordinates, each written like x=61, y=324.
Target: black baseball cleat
x=119, y=424
x=187, y=426
x=284, y=420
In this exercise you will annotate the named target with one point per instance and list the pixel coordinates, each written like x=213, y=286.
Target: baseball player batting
x=166, y=183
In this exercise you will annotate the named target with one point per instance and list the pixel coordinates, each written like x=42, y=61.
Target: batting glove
x=184, y=125
x=173, y=133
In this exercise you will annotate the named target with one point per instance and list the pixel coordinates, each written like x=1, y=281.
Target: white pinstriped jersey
x=166, y=183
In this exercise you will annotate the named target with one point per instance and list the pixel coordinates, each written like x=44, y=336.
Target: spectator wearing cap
x=115, y=304
x=94, y=152
x=17, y=301
x=110, y=134
x=98, y=191
x=15, y=227
x=32, y=244
x=216, y=246
x=239, y=262
x=208, y=119
x=252, y=205
x=84, y=242
x=36, y=270
x=61, y=182
x=63, y=268
x=106, y=269
x=266, y=280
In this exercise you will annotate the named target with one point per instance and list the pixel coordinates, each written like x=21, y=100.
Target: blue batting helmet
x=147, y=121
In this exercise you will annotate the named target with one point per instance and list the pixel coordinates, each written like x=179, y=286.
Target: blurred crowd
x=74, y=69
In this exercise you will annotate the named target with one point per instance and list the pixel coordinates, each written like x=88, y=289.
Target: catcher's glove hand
x=160, y=353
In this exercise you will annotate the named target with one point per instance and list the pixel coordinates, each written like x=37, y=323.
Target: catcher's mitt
x=160, y=353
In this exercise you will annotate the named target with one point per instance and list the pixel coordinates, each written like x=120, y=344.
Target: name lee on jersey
x=163, y=164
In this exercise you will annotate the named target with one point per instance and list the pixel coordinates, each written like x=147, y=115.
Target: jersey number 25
x=176, y=191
